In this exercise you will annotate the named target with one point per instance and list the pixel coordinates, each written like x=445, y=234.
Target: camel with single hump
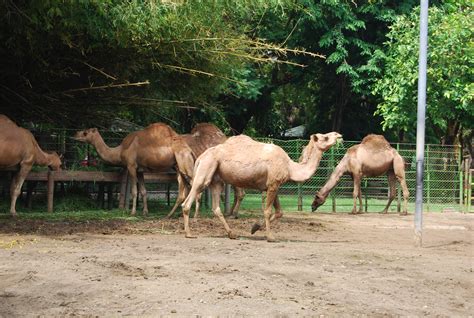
x=202, y=137
x=373, y=157
x=157, y=148
x=246, y=163
x=18, y=147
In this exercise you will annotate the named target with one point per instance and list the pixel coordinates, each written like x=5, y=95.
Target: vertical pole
x=333, y=193
x=461, y=183
x=469, y=190
x=299, y=184
x=421, y=114
x=123, y=189
x=399, y=195
x=428, y=179
x=50, y=191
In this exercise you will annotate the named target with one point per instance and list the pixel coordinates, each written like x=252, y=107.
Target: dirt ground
x=323, y=264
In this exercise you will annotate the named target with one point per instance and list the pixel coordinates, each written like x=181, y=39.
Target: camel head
x=324, y=141
x=86, y=135
x=319, y=141
x=54, y=161
x=317, y=202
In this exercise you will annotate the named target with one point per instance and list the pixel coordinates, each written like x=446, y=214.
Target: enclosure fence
x=447, y=178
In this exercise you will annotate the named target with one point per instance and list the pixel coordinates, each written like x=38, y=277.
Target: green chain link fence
x=445, y=183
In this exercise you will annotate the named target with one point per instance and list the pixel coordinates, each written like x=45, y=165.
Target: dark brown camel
x=157, y=148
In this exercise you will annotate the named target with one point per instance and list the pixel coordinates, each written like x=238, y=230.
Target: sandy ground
x=323, y=264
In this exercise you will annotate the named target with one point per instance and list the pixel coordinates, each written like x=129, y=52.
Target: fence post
x=123, y=189
x=461, y=169
x=428, y=178
x=469, y=189
x=299, y=184
x=50, y=191
x=333, y=193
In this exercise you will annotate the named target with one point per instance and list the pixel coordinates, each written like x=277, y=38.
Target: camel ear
x=314, y=137
x=94, y=130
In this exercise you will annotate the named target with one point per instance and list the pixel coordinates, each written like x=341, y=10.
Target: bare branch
x=106, y=86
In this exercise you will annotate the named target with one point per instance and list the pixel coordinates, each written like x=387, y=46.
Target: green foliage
x=450, y=90
x=164, y=55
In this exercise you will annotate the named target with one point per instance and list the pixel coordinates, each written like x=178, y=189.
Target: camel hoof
x=190, y=236
x=233, y=236
x=255, y=228
x=271, y=239
x=403, y=213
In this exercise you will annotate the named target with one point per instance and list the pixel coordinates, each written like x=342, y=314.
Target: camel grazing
x=246, y=163
x=373, y=157
x=157, y=147
x=19, y=147
x=202, y=137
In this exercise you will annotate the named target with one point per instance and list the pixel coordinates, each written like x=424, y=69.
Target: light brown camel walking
x=373, y=157
x=202, y=137
x=246, y=163
x=19, y=147
x=157, y=147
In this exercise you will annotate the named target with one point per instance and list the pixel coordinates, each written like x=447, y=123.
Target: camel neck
x=333, y=179
x=108, y=154
x=300, y=172
x=41, y=157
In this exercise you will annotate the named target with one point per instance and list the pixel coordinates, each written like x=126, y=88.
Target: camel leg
x=132, y=172
x=181, y=195
x=16, y=185
x=198, y=204
x=271, y=195
x=278, y=214
x=393, y=189
x=399, y=170
x=216, y=190
x=361, y=205
x=202, y=178
x=356, y=192
x=141, y=184
x=239, y=194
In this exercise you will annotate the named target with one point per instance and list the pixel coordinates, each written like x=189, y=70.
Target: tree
x=450, y=88
x=88, y=61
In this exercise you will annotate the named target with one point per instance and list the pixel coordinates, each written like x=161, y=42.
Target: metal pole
x=421, y=114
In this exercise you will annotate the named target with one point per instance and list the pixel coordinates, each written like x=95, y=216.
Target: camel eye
x=84, y=133
x=326, y=138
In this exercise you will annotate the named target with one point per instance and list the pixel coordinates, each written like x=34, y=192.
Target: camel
x=371, y=158
x=246, y=163
x=157, y=147
x=202, y=137
x=18, y=146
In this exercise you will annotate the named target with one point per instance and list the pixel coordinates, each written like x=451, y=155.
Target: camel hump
x=375, y=142
x=207, y=135
x=206, y=128
x=5, y=120
x=240, y=139
x=160, y=129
